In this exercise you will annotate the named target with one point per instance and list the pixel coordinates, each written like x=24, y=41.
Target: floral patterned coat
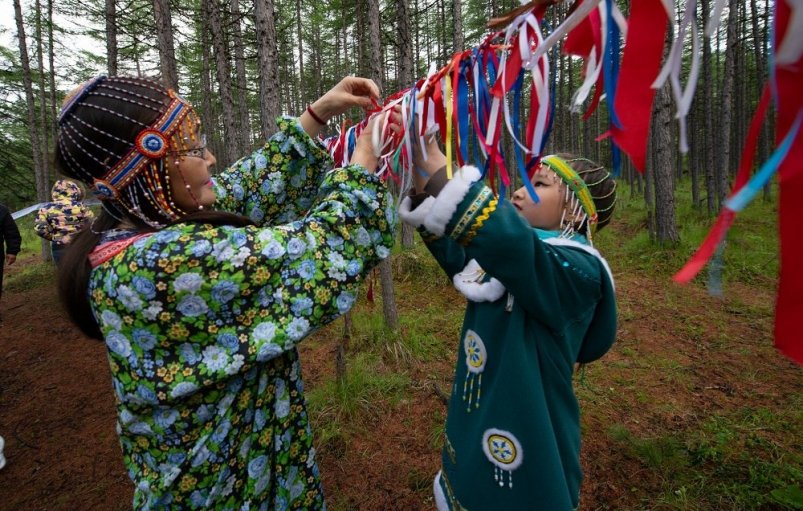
x=202, y=323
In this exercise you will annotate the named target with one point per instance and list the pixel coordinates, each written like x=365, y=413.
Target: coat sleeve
x=554, y=284
x=220, y=300
x=40, y=224
x=11, y=234
x=278, y=182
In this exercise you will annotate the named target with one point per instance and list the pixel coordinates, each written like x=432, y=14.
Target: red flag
x=641, y=63
x=789, y=307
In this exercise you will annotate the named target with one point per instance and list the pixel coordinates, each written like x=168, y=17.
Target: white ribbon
x=791, y=47
x=564, y=28
x=672, y=69
x=715, y=18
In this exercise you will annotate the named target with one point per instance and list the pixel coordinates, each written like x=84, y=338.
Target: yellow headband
x=577, y=185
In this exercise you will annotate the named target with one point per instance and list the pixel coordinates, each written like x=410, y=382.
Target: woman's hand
x=350, y=92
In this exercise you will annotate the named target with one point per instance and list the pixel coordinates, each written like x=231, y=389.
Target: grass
x=340, y=408
x=34, y=274
x=748, y=256
x=732, y=461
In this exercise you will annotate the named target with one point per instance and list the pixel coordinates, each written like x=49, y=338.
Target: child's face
x=547, y=213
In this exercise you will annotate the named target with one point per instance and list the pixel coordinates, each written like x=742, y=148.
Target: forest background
x=692, y=397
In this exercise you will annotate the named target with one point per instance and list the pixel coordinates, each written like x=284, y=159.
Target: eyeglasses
x=194, y=152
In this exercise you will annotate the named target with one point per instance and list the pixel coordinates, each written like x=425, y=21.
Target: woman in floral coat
x=201, y=311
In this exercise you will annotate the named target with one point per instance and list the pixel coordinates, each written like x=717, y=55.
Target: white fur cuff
x=449, y=198
x=416, y=216
x=470, y=283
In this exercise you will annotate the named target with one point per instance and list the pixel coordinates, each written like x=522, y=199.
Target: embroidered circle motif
x=475, y=352
x=151, y=143
x=502, y=449
x=104, y=190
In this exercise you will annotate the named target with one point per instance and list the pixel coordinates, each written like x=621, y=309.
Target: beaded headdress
x=138, y=174
x=581, y=203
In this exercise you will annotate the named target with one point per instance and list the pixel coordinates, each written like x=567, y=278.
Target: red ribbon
x=726, y=216
x=789, y=307
x=641, y=62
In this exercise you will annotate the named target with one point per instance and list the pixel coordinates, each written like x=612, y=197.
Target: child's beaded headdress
x=581, y=204
x=136, y=176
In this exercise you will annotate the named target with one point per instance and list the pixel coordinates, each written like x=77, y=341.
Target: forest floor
x=691, y=409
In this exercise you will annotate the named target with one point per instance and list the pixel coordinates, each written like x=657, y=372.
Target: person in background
x=60, y=220
x=10, y=242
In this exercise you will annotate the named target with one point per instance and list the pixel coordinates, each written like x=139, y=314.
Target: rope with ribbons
x=476, y=98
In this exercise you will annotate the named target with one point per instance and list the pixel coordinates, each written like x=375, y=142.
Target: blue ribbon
x=516, y=125
x=611, y=63
x=462, y=109
x=351, y=138
x=748, y=192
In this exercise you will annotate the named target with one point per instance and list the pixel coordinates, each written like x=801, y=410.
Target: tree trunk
x=727, y=97
x=208, y=111
x=406, y=79
x=443, y=52
x=375, y=44
x=572, y=118
x=111, y=36
x=346, y=64
x=268, y=58
x=457, y=13
x=375, y=66
x=318, y=65
x=417, y=49
x=708, y=119
x=340, y=357
x=301, y=92
x=51, y=65
x=44, y=124
x=244, y=124
x=232, y=148
x=167, y=52
x=33, y=131
x=665, y=227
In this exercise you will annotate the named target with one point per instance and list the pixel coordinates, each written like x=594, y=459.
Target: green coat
x=536, y=305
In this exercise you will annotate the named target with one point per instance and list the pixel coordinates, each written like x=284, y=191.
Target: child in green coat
x=540, y=300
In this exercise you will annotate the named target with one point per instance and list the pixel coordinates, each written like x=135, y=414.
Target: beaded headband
x=150, y=144
x=138, y=175
x=575, y=183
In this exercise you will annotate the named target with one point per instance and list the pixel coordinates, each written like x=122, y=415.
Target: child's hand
x=435, y=159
